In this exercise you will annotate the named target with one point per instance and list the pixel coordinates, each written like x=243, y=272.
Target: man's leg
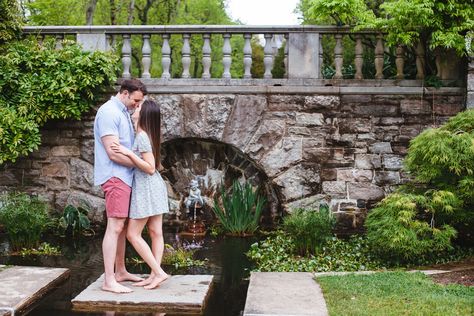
x=115, y=226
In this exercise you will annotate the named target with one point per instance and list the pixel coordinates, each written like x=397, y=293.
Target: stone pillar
x=470, y=83
x=303, y=55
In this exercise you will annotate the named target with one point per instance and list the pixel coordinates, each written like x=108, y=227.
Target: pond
x=225, y=259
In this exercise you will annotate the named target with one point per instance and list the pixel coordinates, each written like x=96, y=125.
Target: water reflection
x=225, y=260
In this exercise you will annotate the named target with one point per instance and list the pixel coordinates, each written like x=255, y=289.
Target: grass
x=394, y=293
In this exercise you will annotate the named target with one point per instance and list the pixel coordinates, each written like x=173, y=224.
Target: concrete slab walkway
x=284, y=293
x=22, y=287
x=181, y=294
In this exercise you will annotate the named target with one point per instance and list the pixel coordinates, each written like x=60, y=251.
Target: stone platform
x=21, y=288
x=180, y=295
x=284, y=294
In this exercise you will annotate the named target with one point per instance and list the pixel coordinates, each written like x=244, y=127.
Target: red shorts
x=117, y=197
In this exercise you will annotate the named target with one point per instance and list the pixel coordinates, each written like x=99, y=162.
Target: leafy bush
x=75, y=219
x=40, y=83
x=24, y=217
x=394, y=229
x=10, y=20
x=310, y=229
x=276, y=254
x=240, y=214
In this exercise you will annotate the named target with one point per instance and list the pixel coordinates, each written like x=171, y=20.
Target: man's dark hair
x=132, y=85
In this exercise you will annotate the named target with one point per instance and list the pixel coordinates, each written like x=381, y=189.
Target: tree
x=10, y=20
x=438, y=23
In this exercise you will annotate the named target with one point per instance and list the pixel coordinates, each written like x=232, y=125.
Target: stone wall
x=343, y=148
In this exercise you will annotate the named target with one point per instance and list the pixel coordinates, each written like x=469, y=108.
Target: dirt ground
x=461, y=272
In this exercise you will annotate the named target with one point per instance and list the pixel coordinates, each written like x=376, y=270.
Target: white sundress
x=149, y=194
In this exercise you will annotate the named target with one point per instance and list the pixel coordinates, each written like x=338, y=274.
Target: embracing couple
x=126, y=164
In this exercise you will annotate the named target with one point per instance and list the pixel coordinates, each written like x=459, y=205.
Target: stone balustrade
x=303, y=48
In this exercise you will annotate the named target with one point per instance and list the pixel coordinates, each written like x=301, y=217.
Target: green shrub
x=39, y=83
x=25, y=218
x=310, y=229
x=241, y=209
x=395, y=228
x=75, y=219
x=10, y=20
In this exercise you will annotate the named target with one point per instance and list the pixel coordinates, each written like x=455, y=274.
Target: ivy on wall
x=39, y=83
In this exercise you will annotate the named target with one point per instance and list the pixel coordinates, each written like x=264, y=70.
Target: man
x=114, y=172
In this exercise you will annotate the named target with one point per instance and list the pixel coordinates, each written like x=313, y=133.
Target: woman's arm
x=147, y=164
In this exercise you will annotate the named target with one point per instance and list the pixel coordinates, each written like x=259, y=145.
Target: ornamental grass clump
x=24, y=218
x=240, y=210
x=310, y=229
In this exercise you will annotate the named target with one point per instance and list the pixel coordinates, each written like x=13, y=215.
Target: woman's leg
x=134, y=235
x=155, y=229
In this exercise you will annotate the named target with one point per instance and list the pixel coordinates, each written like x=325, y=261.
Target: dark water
x=225, y=259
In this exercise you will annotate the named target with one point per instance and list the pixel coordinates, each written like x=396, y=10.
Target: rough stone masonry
x=343, y=148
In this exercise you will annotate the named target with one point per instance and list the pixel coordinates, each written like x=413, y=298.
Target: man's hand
x=108, y=142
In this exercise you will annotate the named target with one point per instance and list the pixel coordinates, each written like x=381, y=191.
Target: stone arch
x=214, y=164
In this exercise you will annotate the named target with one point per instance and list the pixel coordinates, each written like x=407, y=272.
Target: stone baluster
x=226, y=59
x=146, y=56
x=126, y=56
x=59, y=41
x=285, y=60
x=321, y=57
x=166, y=57
x=206, y=56
x=338, y=59
x=379, y=51
x=268, y=56
x=108, y=42
x=420, y=61
x=400, y=62
x=359, y=59
x=247, y=56
x=186, y=56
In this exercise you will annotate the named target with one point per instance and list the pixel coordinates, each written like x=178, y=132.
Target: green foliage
x=24, y=217
x=75, y=219
x=310, y=229
x=394, y=229
x=437, y=23
x=43, y=249
x=40, y=83
x=276, y=254
x=10, y=20
x=179, y=257
x=394, y=293
x=241, y=210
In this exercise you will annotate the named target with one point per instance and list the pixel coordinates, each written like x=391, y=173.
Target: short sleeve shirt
x=112, y=118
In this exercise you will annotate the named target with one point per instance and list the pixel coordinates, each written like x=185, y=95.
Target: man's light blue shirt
x=112, y=118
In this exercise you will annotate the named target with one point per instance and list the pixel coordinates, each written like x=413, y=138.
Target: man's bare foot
x=116, y=288
x=157, y=280
x=126, y=276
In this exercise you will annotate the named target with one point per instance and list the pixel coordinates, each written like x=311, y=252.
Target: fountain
x=194, y=228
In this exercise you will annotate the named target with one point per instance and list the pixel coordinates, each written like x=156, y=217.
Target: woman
x=149, y=196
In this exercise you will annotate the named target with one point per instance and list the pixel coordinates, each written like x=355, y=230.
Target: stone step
x=21, y=288
x=284, y=293
x=182, y=294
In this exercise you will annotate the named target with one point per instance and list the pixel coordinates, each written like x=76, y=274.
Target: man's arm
x=107, y=141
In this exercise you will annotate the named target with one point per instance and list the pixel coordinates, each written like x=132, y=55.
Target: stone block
x=310, y=202
x=356, y=98
x=299, y=131
x=286, y=152
x=298, y=181
x=449, y=109
x=268, y=134
x=354, y=125
x=65, y=151
x=55, y=169
x=387, y=177
x=172, y=114
x=317, y=102
x=309, y=119
x=316, y=154
x=391, y=121
x=415, y=107
x=218, y=111
x=303, y=55
x=367, y=161
x=380, y=148
x=357, y=175
x=365, y=191
x=285, y=102
x=335, y=189
x=376, y=110
x=392, y=162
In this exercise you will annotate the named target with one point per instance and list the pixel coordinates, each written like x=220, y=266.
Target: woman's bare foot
x=116, y=287
x=146, y=281
x=126, y=276
x=157, y=280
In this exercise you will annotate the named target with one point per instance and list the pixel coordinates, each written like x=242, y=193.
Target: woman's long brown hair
x=150, y=122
